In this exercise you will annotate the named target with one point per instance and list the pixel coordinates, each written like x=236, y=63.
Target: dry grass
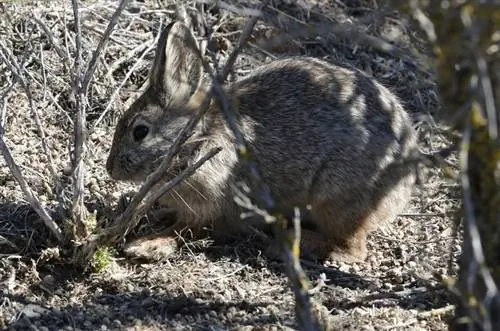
x=206, y=285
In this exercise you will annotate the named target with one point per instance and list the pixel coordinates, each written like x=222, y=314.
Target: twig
x=17, y=71
x=78, y=35
x=239, y=46
x=32, y=200
x=78, y=210
x=117, y=90
x=487, y=96
x=155, y=194
x=290, y=241
x=437, y=312
x=142, y=49
x=52, y=41
x=81, y=82
x=129, y=218
x=102, y=43
x=484, y=87
x=476, y=262
x=296, y=275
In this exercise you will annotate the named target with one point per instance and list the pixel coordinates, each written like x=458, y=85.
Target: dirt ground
x=205, y=285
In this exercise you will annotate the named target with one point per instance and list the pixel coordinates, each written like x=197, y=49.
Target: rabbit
x=327, y=139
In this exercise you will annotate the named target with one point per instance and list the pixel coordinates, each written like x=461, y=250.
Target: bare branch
x=125, y=79
x=129, y=218
x=102, y=43
x=78, y=210
x=247, y=31
x=32, y=200
x=262, y=194
x=52, y=40
x=17, y=71
x=461, y=37
x=81, y=82
x=157, y=192
x=477, y=263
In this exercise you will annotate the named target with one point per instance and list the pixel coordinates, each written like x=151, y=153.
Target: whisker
x=184, y=201
x=195, y=189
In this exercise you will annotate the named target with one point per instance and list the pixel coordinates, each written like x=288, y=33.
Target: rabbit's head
x=148, y=128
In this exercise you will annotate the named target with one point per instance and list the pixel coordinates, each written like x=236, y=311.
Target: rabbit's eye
x=140, y=132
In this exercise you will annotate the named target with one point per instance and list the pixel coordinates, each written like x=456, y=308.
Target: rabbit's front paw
x=347, y=256
x=151, y=248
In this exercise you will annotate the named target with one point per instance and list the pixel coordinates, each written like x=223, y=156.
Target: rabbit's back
x=317, y=128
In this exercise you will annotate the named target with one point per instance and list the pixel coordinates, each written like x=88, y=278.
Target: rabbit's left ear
x=177, y=68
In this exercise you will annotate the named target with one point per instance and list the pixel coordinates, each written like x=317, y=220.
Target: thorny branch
x=263, y=197
x=477, y=266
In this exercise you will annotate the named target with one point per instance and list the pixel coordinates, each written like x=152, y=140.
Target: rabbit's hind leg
x=340, y=234
x=317, y=245
x=345, y=223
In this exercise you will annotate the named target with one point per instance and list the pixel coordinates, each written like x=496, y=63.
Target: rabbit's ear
x=177, y=68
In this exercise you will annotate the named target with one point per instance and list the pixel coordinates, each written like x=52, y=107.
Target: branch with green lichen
x=465, y=38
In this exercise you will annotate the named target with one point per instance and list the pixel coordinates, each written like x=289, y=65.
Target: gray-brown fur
x=327, y=139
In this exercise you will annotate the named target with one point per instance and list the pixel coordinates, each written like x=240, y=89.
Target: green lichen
x=102, y=259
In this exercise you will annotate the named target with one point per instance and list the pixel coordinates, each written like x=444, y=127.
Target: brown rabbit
x=328, y=139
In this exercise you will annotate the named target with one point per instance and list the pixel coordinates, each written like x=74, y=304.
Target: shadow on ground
x=117, y=311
